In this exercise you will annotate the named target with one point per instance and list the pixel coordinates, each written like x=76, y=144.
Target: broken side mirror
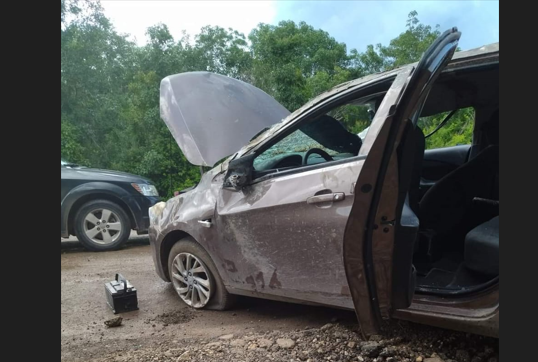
x=239, y=173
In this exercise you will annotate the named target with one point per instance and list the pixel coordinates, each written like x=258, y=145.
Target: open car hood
x=212, y=116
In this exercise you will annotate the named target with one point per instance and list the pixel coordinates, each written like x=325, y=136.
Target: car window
x=458, y=130
x=333, y=136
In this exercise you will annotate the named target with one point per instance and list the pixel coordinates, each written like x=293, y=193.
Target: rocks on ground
x=114, y=322
x=332, y=342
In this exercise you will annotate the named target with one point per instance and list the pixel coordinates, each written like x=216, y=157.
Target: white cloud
x=134, y=17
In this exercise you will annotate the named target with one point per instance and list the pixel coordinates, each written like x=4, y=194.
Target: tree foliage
x=110, y=86
x=457, y=131
x=294, y=62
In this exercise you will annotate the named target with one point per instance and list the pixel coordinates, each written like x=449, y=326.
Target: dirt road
x=164, y=329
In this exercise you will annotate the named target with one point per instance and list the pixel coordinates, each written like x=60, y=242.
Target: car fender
x=86, y=189
x=184, y=215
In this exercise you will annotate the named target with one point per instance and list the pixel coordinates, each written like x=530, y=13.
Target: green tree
x=288, y=54
x=71, y=149
x=457, y=131
x=406, y=48
x=224, y=52
x=110, y=86
x=94, y=63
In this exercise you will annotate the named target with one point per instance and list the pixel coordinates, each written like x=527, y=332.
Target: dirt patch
x=165, y=329
x=175, y=317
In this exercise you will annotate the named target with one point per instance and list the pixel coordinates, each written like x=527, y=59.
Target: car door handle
x=205, y=223
x=337, y=196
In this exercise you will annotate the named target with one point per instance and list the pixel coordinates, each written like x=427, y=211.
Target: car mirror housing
x=239, y=173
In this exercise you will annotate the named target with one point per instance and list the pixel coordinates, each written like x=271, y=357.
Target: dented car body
x=336, y=224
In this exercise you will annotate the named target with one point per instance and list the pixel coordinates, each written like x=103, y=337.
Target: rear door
x=381, y=229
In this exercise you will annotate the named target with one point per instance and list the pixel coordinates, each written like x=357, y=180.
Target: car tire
x=102, y=225
x=219, y=298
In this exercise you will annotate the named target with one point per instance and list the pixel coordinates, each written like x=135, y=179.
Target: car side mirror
x=239, y=173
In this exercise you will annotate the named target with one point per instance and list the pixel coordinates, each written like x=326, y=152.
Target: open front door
x=382, y=228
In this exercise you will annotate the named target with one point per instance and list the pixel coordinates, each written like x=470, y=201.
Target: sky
x=356, y=23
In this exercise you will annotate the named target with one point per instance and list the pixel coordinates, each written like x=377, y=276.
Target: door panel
x=359, y=255
x=284, y=235
x=376, y=218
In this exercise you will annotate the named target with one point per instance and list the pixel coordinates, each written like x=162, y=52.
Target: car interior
x=458, y=193
x=454, y=190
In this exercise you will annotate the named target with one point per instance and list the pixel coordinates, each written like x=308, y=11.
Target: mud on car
x=308, y=210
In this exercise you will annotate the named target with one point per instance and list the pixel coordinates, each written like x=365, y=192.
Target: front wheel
x=102, y=225
x=195, y=277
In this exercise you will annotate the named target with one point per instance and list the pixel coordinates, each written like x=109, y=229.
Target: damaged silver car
x=303, y=209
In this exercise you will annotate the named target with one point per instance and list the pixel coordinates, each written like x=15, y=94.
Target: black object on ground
x=121, y=295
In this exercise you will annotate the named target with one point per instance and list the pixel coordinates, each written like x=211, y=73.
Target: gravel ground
x=256, y=330
x=331, y=342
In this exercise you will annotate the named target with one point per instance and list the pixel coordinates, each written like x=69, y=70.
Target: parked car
x=100, y=207
x=309, y=212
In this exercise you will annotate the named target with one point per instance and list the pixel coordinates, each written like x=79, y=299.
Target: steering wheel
x=318, y=151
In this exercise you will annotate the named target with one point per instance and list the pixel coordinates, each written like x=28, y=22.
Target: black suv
x=100, y=207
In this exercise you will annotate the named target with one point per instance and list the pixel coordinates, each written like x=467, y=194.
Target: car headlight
x=146, y=189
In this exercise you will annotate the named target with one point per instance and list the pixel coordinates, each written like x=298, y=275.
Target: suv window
x=457, y=131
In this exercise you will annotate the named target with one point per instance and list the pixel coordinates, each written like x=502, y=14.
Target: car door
x=282, y=235
x=381, y=228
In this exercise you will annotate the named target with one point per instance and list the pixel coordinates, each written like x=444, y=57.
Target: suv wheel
x=102, y=225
